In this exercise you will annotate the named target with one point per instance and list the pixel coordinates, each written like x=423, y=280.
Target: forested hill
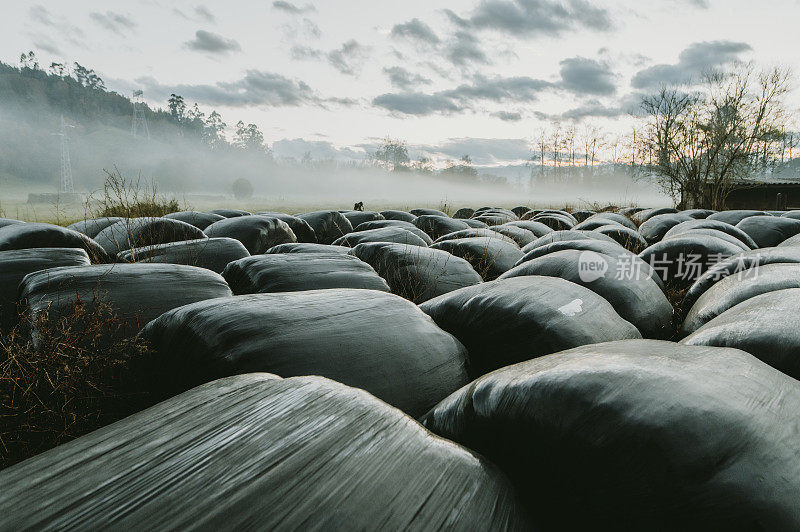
x=182, y=138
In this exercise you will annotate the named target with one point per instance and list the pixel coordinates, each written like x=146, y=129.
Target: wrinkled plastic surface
x=305, y=247
x=636, y=297
x=427, y=212
x=767, y=326
x=437, y=226
x=417, y=273
x=639, y=435
x=201, y=220
x=230, y=213
x=537, y=228
x=684, y=258
x=561, y=236
x=738, y=264
x=692, y=225
x=736, y=289
x=769, y=231
x=210, y=253
x=654, y=229
x=16, y=264
x=489, y=256
x=363, y=338
x=138, y=293
x=39, y=235
x=398, y=215
x=327, y=225
x=93, y=226
x=408, y=226
x=398, y=235
x=301, y=229
x=358, y=217
x=257, y=233
x=520, y=235
x=733, y=217
x=511, y=320
x=142, y=232
x=256, y=452
x=294, y=272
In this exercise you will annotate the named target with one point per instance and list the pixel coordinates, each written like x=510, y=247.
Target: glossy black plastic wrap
x=327, y=225
x=511, y=320
x=634, y=294
x=397, y=235
x=417, y=273
x=40, y=235
x=141, y=232
x=364, y=338
x=210, y=253
x=137, y=293
x=257, y=233
x=639, y=435
x=489, y=256
x=295, y=272
x=16, y=264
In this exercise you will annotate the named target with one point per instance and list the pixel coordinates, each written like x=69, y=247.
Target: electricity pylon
x=139, y=126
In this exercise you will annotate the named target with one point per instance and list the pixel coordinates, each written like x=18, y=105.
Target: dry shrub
x=79, y=375
x=131, y=199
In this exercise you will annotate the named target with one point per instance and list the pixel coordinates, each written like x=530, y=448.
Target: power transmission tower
x=139, y=126
x=67, y=185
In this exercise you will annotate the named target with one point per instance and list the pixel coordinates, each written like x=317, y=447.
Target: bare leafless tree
x=700, y=144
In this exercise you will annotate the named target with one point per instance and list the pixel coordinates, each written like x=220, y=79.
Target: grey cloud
x=348, y=58
x=204, y=13
x=60, y=26
x=524, y=18
x=495, y=90
x=256, y=87
x=416, y=103
x=112, y=21
x=205, y=41
x=465, y=48
x=417, y=30
x=587, y=76
x=47, y=45
x=508, y=116
x=401, y=78
x=692, y=62
x=291, y=8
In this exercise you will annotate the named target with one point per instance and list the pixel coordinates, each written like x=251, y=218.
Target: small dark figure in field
x=359, y=206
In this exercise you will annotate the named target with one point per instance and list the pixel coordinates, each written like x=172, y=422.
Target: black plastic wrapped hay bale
x=489, y=256
x=769, y=231
x=359, y=217
x=300, y=228
x=93, y=226
x=397, y=235
x=683, y=259
x=733, y=217
x=257, y=233
x=520, y=235
x=537, y=228
x=639, y=435
x=735, y=289
x=256, y=452
x=436, y=226
x=230, y=213
x=16, y=264
x=408, y=226
x=428, y=212
x=38, y=235
x=417, y=273
x=295, y=272
x=635, y=295
x=141, y=232
x=654, y=229
x=327, y=225
x=716, y=225
x=398, y=215
x=201, y=220
x=305, y=247
x=363, y=338
x=210, y=253
x=137, y=293
x=510, y=320
x=767, y=326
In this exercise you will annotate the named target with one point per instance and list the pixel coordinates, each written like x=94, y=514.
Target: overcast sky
x=449, y=77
